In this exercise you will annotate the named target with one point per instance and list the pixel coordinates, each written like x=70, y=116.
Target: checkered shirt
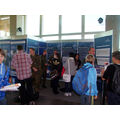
x=21, y=62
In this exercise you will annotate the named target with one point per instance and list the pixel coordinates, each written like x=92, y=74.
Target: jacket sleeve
x=93, y=81
x=6, y=78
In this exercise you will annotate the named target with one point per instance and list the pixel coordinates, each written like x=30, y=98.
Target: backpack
x=80, y=81
x=116, y=80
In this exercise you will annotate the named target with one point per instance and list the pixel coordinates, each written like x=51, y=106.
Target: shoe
x=32, y=103
x=66, y=94
x=36, y=95
x=69, y=94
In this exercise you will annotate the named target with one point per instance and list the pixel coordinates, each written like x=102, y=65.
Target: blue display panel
x=103, y=46
x=83, y=48
x=68, y=47
x=53, y=46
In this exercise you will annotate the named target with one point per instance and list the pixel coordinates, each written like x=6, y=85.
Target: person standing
x=70, y=68
x=91, y=52
x=22, y=62
x=77, y=61
x=112, y=78
x=36, y=72
x=88, y=97
x=44, y=68
x=56, y=68
x=4, y=77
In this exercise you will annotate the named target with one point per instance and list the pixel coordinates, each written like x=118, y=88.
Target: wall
x=113, y=23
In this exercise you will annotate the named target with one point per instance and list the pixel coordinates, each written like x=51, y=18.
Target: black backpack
x=116, y=80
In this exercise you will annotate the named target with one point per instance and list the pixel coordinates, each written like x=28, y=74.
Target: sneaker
x=32, y=103
x=69, y=94
x=66, y=94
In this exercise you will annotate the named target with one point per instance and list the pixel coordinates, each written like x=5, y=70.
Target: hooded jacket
x=4, y=77
x=92, y=80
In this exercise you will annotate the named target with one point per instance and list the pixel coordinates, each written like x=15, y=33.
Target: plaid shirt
x=21, y=62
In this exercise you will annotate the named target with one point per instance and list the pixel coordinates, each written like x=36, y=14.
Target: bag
x=80, y=81
x=63, y=71
x=54, y=74
x=116, y=80
x=67, y=77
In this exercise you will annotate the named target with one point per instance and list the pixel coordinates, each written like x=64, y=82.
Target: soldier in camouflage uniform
x=44, y=68
x=36, y=72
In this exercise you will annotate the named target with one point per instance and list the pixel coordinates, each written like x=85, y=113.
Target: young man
x=21, y=62
x=36, y=72
x=86, y=99
x=44, y=68
x=4, y=77
x=112, y=96
x=91, y=52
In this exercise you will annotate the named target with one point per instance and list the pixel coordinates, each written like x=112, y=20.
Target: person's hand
x=35, y=70
x=102, y=71
x=96, y=97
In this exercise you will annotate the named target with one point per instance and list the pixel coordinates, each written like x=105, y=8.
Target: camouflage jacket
x=36, y=62
x=43, y=62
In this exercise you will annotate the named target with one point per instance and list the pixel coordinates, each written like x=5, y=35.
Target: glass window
x=4, y=25
x=71, y=37
x=89, y=36
x=50, y=24
x=71, y=23
x=50, y=38
x=92, y=23
x=33, y=24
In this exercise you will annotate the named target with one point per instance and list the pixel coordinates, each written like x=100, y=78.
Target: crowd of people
x=31, y=72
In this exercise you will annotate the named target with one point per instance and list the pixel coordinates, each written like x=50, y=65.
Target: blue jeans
x=3, y=102
x=85, y=100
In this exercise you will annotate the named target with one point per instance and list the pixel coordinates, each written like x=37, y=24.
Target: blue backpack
x=80, y=81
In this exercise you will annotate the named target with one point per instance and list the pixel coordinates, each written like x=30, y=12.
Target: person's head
x=55, y=52
x=32, y=51
x=116, y=57
x=77, y=56
x=44, y=52
x=2, y=56
x=71, y=54
x=90, y=59
x=91, y=51
x=19, y=47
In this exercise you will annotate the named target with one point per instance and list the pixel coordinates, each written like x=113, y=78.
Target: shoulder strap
x=68, y=66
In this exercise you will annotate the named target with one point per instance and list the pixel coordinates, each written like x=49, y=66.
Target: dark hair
x=32, y=49
x=2, y=52
x=58, y=55
x=116, y=55
x=91, y=48
x=75, y=58
x=71, y=54
x=45, y=51
x=19, y=47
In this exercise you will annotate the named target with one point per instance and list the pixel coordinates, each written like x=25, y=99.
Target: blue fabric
x=92, y=80
x=84, y=82
x=3, y=101
x=80, y=81
x=4, y=79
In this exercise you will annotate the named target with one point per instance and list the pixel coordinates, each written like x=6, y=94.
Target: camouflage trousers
x=36, y=79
